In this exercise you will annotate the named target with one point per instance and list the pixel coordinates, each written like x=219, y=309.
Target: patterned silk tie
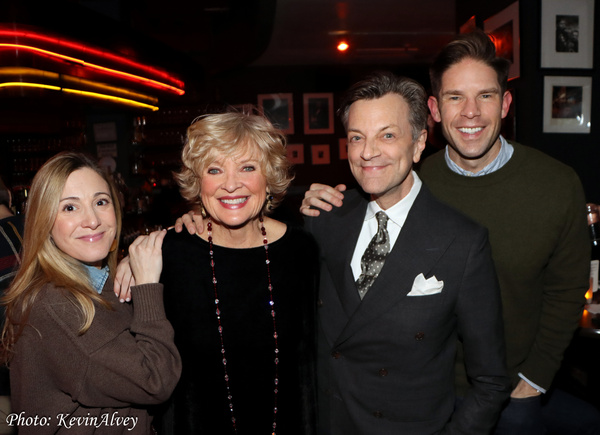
x=372, y=260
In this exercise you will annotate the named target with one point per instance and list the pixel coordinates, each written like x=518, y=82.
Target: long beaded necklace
x=220, y=326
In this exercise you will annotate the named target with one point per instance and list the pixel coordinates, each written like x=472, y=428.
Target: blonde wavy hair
x=232, y=135
x=42, y=261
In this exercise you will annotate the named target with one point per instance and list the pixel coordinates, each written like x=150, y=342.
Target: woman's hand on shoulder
x=124, y=280
x=145, y=257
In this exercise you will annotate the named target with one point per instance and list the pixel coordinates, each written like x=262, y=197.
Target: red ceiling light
x=343, y=46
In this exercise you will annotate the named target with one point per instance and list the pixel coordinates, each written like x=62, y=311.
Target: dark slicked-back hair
x=378, y=85
x=475, y=45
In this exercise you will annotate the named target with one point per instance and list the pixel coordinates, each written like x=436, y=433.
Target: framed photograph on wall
x=567, y=104
x=320, y=154
x=503, y=29
x=279, y=108
x=318, y=113
x=295, y=153
x=567, y=34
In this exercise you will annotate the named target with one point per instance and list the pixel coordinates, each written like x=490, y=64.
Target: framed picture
x=503, y=29
x=279, y=108
x=295, y=153
x=567, y=104
x=318, y=113
x=567, y=34
x=320, y=154
x=343, y=144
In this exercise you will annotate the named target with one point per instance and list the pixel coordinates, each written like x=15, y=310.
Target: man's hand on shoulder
x=193, y=223
x=322, y=197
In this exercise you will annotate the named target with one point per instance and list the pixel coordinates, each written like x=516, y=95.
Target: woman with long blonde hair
x=77, y=357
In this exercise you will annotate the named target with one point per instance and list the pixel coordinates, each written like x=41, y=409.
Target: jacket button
x=336, y=354
x=319, y=302
x=378, y=414
x=419, y=336
x=383, y=372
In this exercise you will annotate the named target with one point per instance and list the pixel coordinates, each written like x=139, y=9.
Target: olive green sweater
x=534, y=209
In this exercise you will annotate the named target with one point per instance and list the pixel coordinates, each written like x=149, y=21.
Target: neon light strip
x=93, y=51
x=26, y=71
x=110, y=97
x=29, y=85
x=93, y=84
x=82, y=63
x=32, y=72
x=78, y=92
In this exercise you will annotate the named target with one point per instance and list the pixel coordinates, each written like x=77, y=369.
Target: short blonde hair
x=233, y=134
x=42, y=261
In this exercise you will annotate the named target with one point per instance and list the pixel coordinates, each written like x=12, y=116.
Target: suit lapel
x=418, y=248
x=349, y=224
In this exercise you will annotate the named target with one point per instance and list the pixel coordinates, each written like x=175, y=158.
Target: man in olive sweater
x=534, y=209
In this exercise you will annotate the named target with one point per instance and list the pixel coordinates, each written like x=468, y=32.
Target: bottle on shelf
x=593, y=217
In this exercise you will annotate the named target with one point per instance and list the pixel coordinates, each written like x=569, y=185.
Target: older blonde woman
x=80, y=362
x=241, y=296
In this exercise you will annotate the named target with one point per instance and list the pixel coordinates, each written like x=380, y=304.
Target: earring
x=203, y=211
x=269, y=201
x=113, y=246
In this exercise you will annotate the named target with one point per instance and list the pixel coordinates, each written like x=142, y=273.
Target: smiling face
x=381, y=150
x=86, y=224
x=471, y=107
x=233, y=190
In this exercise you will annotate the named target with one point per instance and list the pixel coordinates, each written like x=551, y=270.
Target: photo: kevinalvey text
x=68, y=421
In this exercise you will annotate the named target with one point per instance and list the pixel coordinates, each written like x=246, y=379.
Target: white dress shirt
x=397, y=216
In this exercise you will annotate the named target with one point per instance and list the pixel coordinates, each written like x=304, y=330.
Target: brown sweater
x=100, y=382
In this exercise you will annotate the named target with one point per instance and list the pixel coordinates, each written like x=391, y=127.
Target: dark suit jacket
x=387, y=362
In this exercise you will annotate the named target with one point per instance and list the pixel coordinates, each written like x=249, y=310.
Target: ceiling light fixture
x=343, y=46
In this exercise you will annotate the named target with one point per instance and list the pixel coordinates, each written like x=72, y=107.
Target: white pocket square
x=426, y=287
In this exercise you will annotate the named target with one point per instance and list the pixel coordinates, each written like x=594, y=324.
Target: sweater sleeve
x=122, y=359
x=565, y=281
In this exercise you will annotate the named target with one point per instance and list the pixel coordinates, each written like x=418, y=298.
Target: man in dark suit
x=397, y=289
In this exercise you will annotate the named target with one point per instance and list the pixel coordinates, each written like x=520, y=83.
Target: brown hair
x=475, y=45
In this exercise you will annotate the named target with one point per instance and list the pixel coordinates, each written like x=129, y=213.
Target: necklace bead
x=220, y=326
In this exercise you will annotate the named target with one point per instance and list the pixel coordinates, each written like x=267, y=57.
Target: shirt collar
x=504, y=155
x=98, y=277
x=398, y=212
